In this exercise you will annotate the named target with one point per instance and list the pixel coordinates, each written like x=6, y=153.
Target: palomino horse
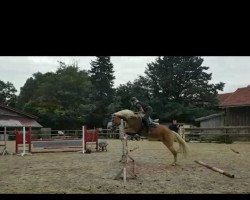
x=182, y=132
x=135, y=125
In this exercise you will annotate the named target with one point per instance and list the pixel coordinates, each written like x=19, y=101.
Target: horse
x=182, y=132
x=135, y=126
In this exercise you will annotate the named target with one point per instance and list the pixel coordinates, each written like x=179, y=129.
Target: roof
x=10, y=117
x=210, y=116
x=223, y=97
x=17, y=111
x=18, y=122
x=241, y=97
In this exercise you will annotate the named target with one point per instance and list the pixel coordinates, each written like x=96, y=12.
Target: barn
x=234, y=118
x=11, y=119
x=235, y=110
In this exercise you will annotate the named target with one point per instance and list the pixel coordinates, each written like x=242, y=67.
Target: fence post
x=83, y=139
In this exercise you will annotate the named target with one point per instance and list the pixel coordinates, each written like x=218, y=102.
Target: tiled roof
x=241, y=97
x=223, y=97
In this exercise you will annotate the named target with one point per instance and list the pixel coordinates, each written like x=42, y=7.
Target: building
x=235, y=108
x=11, y=118
x=232, y=121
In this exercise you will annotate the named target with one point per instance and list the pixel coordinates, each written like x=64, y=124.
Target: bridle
x=114, y=125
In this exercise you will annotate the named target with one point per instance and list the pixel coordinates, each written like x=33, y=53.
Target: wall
x=212, y=122
x=237, y=116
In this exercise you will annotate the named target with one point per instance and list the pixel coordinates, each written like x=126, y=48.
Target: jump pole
x=124, y=142
x=5, y=152
x=124, y=171
x=215, y=169
x=24, y=143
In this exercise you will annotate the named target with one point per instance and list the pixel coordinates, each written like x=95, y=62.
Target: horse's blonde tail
x=183, y=145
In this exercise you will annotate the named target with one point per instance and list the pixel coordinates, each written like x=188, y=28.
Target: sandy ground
x=75, y=172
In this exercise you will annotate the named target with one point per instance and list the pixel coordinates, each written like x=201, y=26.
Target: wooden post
x=83, y=139
x=234, y=151
x=215, y=169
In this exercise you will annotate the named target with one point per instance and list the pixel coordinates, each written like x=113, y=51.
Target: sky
x=234, y=71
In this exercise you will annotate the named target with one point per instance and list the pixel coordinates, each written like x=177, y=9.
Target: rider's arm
x=140, y=108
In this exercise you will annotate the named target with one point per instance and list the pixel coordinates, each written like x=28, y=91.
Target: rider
x=146, y=109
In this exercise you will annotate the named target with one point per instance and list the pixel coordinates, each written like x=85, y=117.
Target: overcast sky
x=233, y=71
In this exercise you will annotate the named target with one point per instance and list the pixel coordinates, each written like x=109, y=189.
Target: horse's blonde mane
x=126, y=113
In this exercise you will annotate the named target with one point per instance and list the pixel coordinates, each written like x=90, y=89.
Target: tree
x=7, y=94
x=102, y=79
x=60, y=99
x=138, y=88
x=182, y=81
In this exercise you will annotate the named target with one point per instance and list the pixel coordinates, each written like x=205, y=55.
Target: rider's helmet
x=134, y=100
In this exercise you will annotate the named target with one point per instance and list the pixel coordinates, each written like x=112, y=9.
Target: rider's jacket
x=145, y=107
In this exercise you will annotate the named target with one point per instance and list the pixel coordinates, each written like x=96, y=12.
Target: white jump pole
x=24, y=142
x=83, y=139
x=124, y=141
x=124, y=172
x=5, y=138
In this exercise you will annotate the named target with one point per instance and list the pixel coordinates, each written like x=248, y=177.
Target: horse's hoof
x=173, y=164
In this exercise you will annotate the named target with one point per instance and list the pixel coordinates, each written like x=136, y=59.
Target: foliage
x=180, y=87
x=60, y=99
x=7, y=94
x=139, y=88
x=175, y=86
x=102, y=78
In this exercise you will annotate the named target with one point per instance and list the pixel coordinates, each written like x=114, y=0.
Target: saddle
x=152, y=121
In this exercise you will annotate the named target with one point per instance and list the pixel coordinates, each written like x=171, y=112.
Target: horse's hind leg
x=173, y=151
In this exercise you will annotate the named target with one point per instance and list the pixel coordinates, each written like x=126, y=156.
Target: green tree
x=60, y=99
x=138, y=88
x=102, y=78
x=7, y=94
x=182, y=79
x=179, y=82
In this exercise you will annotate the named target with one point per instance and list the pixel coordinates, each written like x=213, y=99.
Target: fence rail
x=53, y=134
x=240, y=133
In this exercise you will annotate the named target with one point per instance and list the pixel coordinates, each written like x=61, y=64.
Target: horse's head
x=128, y=116
x=116, y=121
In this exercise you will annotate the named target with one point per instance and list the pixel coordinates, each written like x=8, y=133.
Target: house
x=233, y=120
x=11, y=118
x=211, y=121
x=235, y=108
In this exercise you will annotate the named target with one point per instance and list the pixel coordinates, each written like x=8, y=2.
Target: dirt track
x=95, y=172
